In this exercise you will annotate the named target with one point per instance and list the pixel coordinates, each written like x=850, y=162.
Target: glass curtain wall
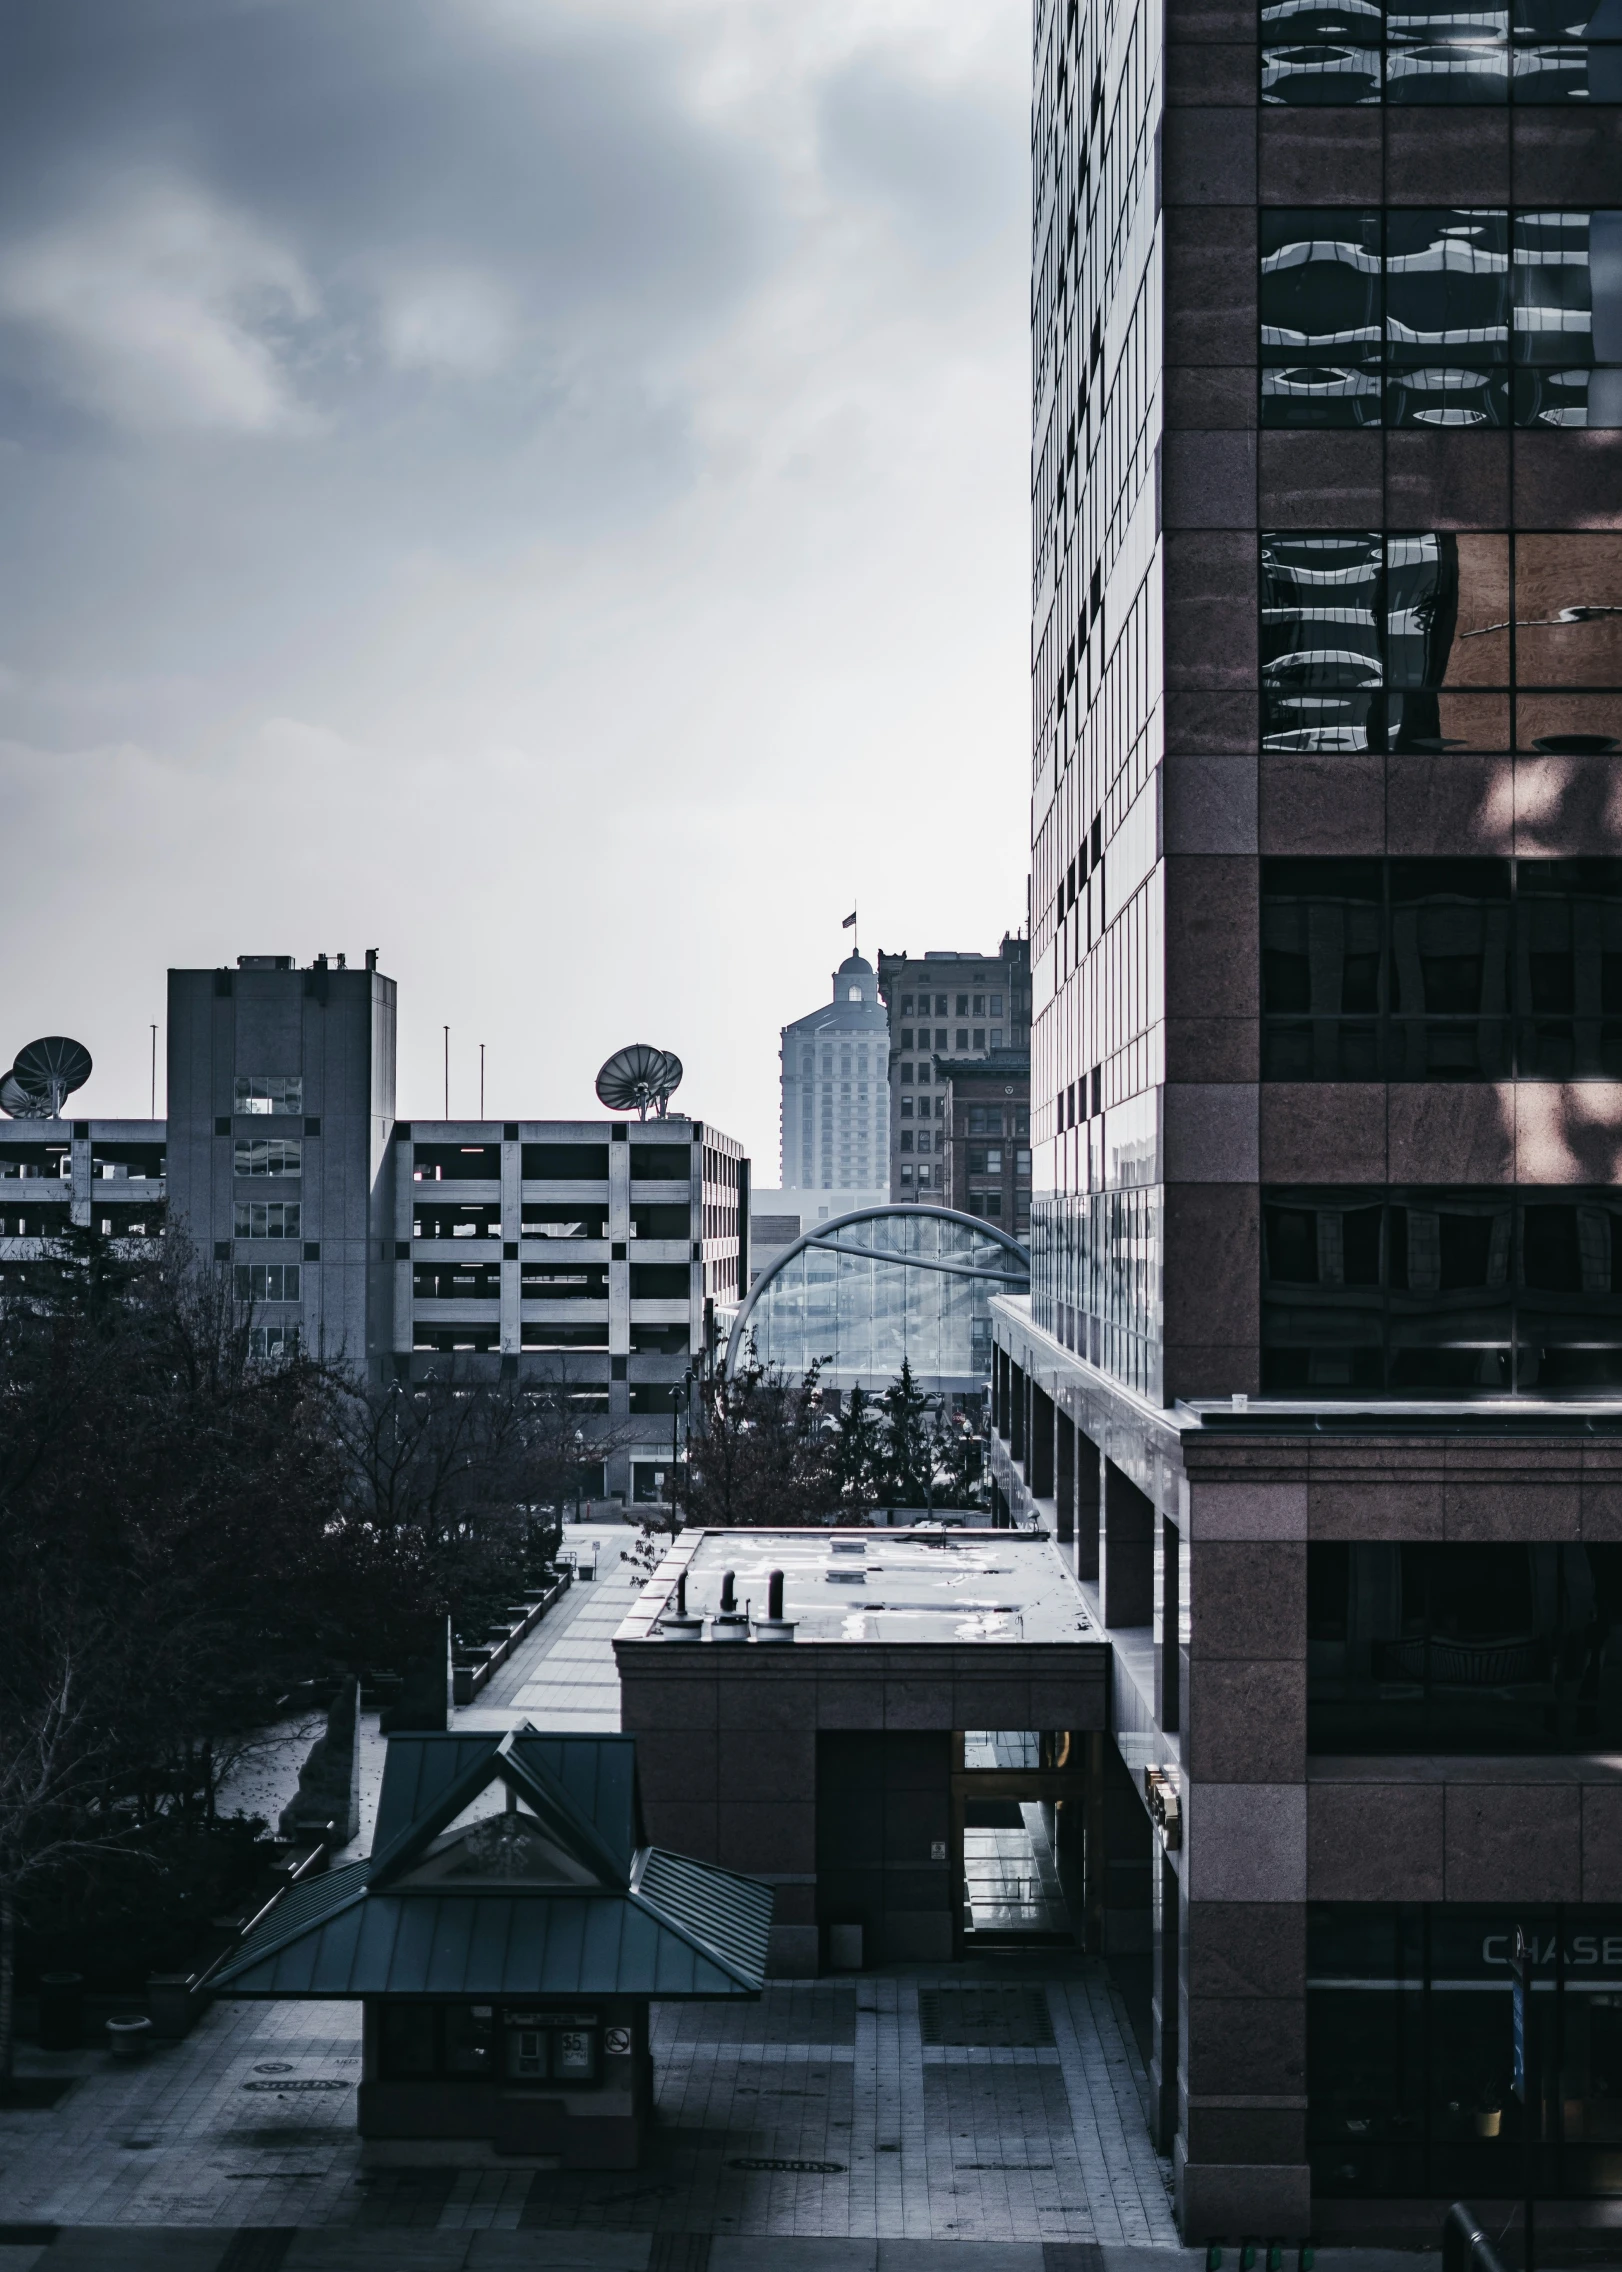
x=868, y=1291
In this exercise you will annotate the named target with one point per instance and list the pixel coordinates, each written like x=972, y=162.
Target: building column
x=1016, y=1413
x=1089, y=1506
x=1126, y=1577
x=1241, y=2156
x=1039, y=1466
x=1064, y=1475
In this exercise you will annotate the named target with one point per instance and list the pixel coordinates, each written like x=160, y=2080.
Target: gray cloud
x=484, y=470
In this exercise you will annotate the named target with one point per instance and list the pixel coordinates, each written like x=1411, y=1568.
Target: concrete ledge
x=1223, y=2200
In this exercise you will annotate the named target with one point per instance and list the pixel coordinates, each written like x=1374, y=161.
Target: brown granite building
x=988, y=1136
x=1322, y=1364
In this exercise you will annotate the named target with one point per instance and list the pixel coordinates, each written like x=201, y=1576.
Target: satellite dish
x=50, y=1070
x=639, y=1078
x=21, y=1103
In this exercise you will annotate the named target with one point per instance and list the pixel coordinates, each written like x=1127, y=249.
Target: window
x=267, y=1219
x=979, y=1037
x=1441, y=316
x=1463, y=1648
x=985, y=1159
x=963, y=1037
x=272, y=1340
x=906, y=1139
x=963, y=1005
x=1022, y=1123
x=940, y=1005
x=985, y=1120
x=1022, y=1165
x=267, y=1155
x=1412, y=970
x=979, y=1005
x=996, y=1005
x=906, y=1073
x=906, y=1108
x=906, y=1011
x=267, y=1281
x=996, y=1037
x=1410, y=2049
x=987, y=1203
x=1441, y=1293
x=269, y=1092
x=1353, y=51
x=923, y=1072
x=906, y=1171
x=923, y=1139
x=1432, y=642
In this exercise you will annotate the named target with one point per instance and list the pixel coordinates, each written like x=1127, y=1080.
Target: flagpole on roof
x=850, y=924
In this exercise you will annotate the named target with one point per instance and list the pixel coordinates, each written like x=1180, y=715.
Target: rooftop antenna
x=47, y=1072
x=640, y=1079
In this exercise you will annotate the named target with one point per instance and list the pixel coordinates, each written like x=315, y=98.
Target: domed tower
x=836, y=1099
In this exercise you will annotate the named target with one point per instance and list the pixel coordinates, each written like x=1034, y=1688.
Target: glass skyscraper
x=1326, y=1075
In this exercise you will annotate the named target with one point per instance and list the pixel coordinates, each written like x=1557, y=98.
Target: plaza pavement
x=235, y=2150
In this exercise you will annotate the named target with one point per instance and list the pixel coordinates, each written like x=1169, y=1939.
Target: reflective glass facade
x=1096, y=1279
x=1356, y=51
x=1441, y=970
x=1480, y=1291
x=1445, y=316
x=866, y=1291
x=1410, y=2050
x=1420, y=1646
x=1427, y=641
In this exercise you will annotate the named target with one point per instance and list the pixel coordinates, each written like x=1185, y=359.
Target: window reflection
x=1441, y=1293
x=1536, y=51
x=1440, y=317
x=1488, y=1648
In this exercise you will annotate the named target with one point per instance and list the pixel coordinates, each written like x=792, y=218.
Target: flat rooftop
x=876, y=1585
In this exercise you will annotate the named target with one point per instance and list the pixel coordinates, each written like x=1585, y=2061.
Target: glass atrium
x=866, y=1290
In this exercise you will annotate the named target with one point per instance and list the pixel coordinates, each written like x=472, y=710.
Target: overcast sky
x=534, y=486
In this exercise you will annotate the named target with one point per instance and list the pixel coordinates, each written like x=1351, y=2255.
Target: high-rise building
x=1322, y=1364
x=836, y=1101
x=988, y=1137
x=944, y=1003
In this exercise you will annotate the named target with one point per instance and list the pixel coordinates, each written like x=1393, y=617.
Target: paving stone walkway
x=251, y=2122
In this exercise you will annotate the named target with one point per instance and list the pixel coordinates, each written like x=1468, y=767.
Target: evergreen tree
x=908, y=1460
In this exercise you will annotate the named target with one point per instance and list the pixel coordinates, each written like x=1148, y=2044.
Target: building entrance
x=1019, y=1806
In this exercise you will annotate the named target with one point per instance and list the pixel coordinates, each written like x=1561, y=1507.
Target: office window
x=1415, y=970
x=996, y=1005
x=271, y=1341
x=1442, y=316
x=906, y=1108
x=267, y=1155
x=979, y=1037
x=985, y=1159
x=979, y=1005
x=1534, y=51
x=906, y=1011
x=268, y=1092
x=1434, y=641
x=267, y=1281
x=996, y=1037
x=906, y=1139
x=925, y=1139
x=1441, y=1293
x=1458, y=1647
x=985, y=1120
x=267, y=1218
x=963, y=1037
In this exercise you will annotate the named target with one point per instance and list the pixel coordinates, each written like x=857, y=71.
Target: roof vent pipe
x=676, y=1625
x=729, y=1623
x=774, y=1626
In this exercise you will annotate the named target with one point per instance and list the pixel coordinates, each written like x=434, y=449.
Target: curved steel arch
x=821, y=1237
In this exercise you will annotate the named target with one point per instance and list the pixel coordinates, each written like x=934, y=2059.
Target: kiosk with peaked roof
x=505, y=1939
